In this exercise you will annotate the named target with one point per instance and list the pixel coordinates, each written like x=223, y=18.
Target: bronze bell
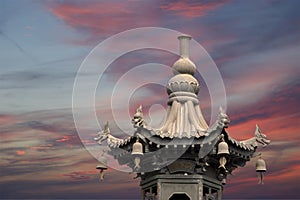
x=261, y=165
x=102, y=166
x=102, y=162
x=260, y=169
x=137, y=148
x=223, y=148
x=224, y=181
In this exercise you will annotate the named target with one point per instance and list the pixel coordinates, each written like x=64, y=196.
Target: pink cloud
x=7, y=119
x=275, y=114
x=80, y=175
x=276, y=184
x=274, y=126
x=192, y=9
x=42, y=147
x=104, y=18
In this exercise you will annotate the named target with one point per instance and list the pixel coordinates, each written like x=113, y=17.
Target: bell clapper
x=222, y=162
x=260, y=178
x=137, y=161
x=101, y=175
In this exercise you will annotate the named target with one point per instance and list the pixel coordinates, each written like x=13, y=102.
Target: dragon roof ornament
x=252, y=143
x=112, y=141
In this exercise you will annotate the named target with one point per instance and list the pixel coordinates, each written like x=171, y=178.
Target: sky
x=254, y=44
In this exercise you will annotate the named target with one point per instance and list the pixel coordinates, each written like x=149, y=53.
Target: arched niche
x=179, y=196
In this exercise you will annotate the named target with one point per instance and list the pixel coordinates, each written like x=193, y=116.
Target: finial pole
x=184, y=45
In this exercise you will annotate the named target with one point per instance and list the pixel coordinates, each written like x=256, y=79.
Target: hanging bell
x=261, y=165
x=224, y=181
x=137, y=151
x=102, y=166
x=223, y=147
x=260, y=169
x=137, y=148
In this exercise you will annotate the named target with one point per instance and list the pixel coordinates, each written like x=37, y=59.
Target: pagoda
x=184, y=158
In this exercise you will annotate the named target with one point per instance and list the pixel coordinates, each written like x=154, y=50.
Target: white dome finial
x=184, y=65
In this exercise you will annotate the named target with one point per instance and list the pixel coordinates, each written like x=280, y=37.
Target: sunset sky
x=255, y=45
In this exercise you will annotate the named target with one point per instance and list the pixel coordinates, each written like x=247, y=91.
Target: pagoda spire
x=184, y=117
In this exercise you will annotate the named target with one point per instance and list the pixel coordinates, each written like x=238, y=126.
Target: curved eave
x=152, y=137
x=114, y=142
x=239, y=144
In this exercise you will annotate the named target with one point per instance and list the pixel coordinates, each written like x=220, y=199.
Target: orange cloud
x=20, y=152
x=63, y=139
x=275, y=128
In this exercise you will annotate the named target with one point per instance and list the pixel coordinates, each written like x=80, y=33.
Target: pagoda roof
x=206, y=142
x=184, y=124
